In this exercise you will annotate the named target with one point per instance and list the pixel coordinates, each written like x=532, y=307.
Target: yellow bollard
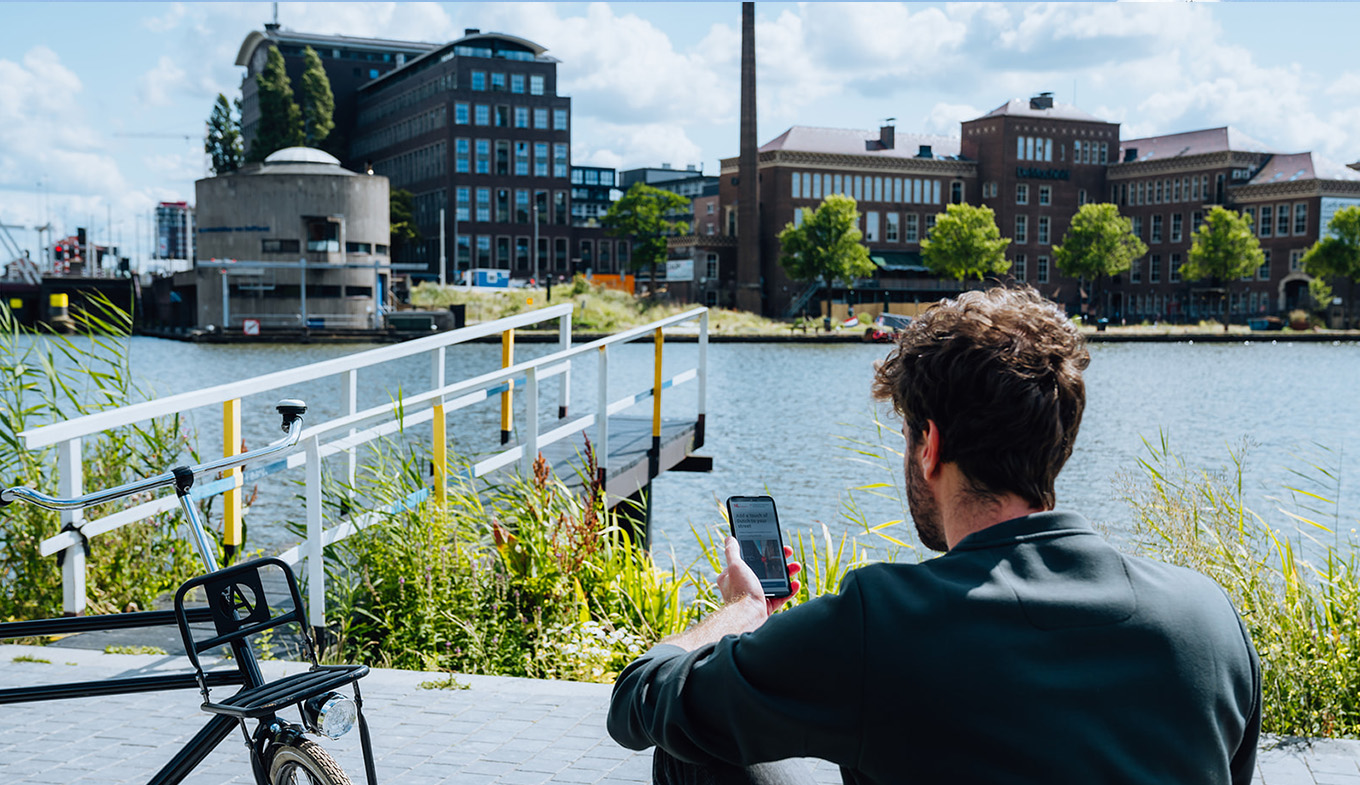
x=654, y=457
x=231, y=500
x=507, y=360
x=441, y=466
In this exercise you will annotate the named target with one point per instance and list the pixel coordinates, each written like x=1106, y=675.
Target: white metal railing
x=353, y=428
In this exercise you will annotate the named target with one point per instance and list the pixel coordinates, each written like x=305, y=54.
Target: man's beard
x=925, y=513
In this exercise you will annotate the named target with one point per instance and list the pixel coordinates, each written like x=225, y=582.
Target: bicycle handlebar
x=290, y=409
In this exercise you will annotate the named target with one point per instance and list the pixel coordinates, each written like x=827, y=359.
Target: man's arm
x=745, y=604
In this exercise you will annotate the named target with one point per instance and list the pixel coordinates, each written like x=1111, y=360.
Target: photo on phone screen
x=755, y=524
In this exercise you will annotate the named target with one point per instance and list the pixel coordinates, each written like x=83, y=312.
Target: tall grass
x=51, y=377
x=1295, y=587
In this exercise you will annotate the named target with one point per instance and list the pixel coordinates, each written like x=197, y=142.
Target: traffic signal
x=80, y=236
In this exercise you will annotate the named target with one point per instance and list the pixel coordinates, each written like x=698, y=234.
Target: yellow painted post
x=441, y=465
x=231, y=500
x=654, y=459
x=507, y=360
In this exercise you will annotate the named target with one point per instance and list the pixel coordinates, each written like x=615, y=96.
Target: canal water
x=797, y=421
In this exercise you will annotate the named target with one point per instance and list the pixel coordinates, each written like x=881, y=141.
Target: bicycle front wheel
x=305, y=763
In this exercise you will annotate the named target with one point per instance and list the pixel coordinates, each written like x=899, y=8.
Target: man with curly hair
x=1031, y=651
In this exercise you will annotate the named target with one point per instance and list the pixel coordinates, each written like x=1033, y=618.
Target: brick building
x=1034, y=163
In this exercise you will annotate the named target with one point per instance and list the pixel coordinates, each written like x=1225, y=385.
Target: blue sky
x=657, y=82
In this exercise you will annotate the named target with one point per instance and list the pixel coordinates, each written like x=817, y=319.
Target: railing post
x=507, y=360
x=703, y=380
x=70, y=483
x=316, y=570
x=440, y=457
x=564, y=343
x=654, y=457
x=232, y=538
x=530, y=421
x=351, y=391
x=602, y=418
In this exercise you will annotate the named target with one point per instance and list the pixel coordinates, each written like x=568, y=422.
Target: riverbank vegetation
x=598, y=309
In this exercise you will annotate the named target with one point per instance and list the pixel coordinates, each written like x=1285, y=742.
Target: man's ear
x=930, y=451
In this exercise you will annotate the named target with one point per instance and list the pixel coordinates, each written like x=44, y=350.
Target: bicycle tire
x=305, y=763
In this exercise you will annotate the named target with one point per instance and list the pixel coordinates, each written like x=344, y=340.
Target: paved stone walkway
x=498, y=731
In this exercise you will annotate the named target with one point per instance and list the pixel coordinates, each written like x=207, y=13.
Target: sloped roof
x=1206, y=140
x=1019, y=107
x=1301, y=166
x=850, y=141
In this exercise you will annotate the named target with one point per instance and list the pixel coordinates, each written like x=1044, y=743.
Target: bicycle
x=239, y=609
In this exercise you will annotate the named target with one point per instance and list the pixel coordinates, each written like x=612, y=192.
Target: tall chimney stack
x=749, y=295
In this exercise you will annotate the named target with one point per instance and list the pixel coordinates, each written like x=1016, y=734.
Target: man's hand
x=738, y=581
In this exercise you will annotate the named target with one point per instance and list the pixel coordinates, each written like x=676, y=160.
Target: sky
x=102, y=105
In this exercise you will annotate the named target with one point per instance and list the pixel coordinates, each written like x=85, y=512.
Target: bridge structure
x=632, y=446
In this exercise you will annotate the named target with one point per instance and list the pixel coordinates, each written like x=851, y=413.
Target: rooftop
x=280, y=35
x=1207, y=140
x=850, y=141
x=1301, y=166
x=1025, y=107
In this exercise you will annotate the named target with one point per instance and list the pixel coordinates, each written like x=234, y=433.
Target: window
x=541, y=119
x=1282, y=221
x=1267, y=219
x=1175, y=268
x=483, y=251
x=1196, y=220
x=535, y=85
x=323, y=235
x=1043, y=230
x=502, y=157
x=1018, y=267
x=517, y=86
x=1158, y=198
x=1263, y=272
x=1176, y=190
x=522, y=209
x=890, y=229
x=503, y=211
x=502, y=117
x=878, y=189
x=498, y=82
x=483, y=156
x=1081, y=196
x=1300, y=218
x=956, y=192
x=813, y=188
x=1043, y=269
x=1295, y=259
x=1175, y=227
x=711, y=268
x=859, y=188
x=463, y=205
x=280, y=246
x=935, y=191
x=897, y=190
x=503, y=253
x=1021, y=193
x=540, y=159
x=1156, y=229
x=1136, y=271
x=797, y=183
x=560, y=214
x=1194, y=189
x=461, y=156
x=1021, y=229
x=559, y=119
x=484, y=204
x=522, y=159
x=912, y=232
x=482, y=115
x=460, y=114
x=798, y=216
x=479, y=80
x=871, y=226
x=521, y=117
x=521, y=253
x=930, y=223
x=1045, y=195
x=559, y=160
x=1155, y=268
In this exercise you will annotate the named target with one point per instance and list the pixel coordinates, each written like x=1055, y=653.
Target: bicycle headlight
x=332, y=714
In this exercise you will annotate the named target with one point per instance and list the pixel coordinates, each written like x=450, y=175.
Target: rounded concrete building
x=295, y=242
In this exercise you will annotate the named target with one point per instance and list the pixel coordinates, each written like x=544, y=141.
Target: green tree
x=1338, y=254
x=644, y=215
x=1223, y=248
x=318, y=103
x=280, y=119
x=401, y=219
x=1099, y=243
x=964, y=243
x=222, y=142
x=826, y=246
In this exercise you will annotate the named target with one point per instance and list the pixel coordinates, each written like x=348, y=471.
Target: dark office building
x=593, y=189
x=174, y=231
x=349, y=62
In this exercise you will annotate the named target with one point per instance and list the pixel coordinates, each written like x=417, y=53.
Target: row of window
x=1042, y=234
x=424, y=163
x=515, y=83
x=593, y=177
x=275, y=245
x=513, y=253
x=1280, y=217
x=383, y=138
x=409, y=98
x=499, y=205
x=1164, y=191
x=889, y=227
x=504, y=157
x=900, y=190
x=507, y=116
x=1020, y=268
x=1036, y=148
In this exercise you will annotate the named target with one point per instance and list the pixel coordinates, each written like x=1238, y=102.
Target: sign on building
x=680, y=269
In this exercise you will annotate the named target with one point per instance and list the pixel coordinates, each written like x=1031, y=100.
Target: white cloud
x=174, y=14
x=627, y=146
x=944, y=118
x=156, y=86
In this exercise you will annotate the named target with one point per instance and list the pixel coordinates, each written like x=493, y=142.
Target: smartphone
x=755, y=524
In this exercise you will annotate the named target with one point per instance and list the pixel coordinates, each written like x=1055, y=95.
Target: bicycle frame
x=247, y=675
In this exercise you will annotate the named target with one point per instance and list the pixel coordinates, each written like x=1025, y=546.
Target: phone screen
x=755, y=524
